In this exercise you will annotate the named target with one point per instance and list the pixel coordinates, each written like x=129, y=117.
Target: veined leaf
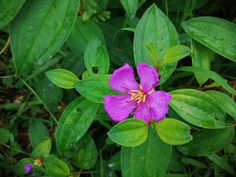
x=156, y=29
x=224, y=101
x=173, y=131
x=39, y=30
x=217, y=34
x=8, y=10
x=198, y=108
x=129, y=133
x=74, y=123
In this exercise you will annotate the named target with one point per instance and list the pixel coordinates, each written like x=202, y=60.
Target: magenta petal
x=143, y=112
x=149, y=77
x=123, y=79
x=158, y=102
x=119, y=107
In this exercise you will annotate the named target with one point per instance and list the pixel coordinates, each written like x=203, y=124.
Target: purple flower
x=141, y=100
x=28, y=168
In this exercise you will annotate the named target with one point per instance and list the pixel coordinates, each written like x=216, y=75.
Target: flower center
x=137, y=95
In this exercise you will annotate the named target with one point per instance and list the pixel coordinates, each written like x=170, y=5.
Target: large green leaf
x=201, y=57
x=129, y=133
x=206, y=142
x=94, y=88
x=96, y=57
x=74, y=123
x=82, y=33
x=8, y=10
x=154, y=35
x=173, y=131
x=198, y=108
x=4, y=135
x=224, y=101
x=62, y=78
x=86, y=155
x=217, y=34
x=150, y=159
x=39, y=30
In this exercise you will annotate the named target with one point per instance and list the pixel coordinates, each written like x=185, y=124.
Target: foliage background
x=89, y=39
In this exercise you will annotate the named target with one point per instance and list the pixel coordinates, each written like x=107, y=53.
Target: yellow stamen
x=137, y=95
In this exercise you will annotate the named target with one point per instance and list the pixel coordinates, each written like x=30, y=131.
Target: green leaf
x=156, y=31
x=4, y=135
x=37, y=132
x=147, y=160
x=198, y=108
x=56, y=167
x=173, y=131
x=217, y=34
x=74, y=123
x=224, y=101
x=39, y=30
x=82, y=33
x=175, y=54
x=86, y=156
x=94, y=88
x=62, y=78
x=210, y=74
x=206, y=142
x=96, y=57
x=129, y=133
x=201, y=57
x=42, y=148
x=130, y=6
x=8, y=10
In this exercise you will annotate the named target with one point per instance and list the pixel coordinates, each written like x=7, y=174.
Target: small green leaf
x=86, y=156
x=8, y=10
x=198, y=108
x=74, y=123
x=56, y=167
x=206, y=142
x=210, y=74
x=94, y=88
x=224, y=101
x=173, y=131
x=201, y=57
x=37, y=132
x=217, y=34
x=129, y=133
x=96, y=57
x=147, y=160
x=175, y=54
x=4, y=135
x=62, y=78
x=42, y=148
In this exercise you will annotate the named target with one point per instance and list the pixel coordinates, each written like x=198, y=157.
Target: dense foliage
x=62, y=59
